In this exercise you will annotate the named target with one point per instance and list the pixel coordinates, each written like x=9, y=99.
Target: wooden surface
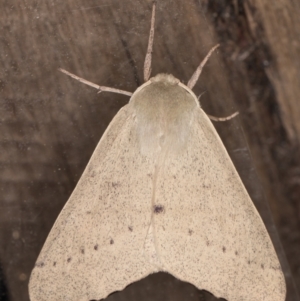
x=50, y=124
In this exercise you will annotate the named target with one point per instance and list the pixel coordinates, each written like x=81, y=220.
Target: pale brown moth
x=160, y=193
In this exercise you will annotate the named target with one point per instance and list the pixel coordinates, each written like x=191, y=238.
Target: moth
x=159, y=193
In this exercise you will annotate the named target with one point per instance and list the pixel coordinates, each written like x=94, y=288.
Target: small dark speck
x=115, y=184
x=158, y=209
x=96, y=247
x=207, y=243
x=191, y=232
x=224, y=249
x=111, y=242
x=249, y=261
x=54, y=263
x=236, y=253
x=130, y=228
x=69, y=259
x=82, y=251
x=262, y=266
x=39, y=264
x=88, y=212
x=174, y=177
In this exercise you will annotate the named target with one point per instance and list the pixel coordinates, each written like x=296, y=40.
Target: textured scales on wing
x=210, y=233
x=96, y=245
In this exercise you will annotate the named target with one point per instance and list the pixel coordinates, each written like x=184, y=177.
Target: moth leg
x=100, y=88
x=147, y=64
x=222, y=118
x=219, y=118
x=197, y=73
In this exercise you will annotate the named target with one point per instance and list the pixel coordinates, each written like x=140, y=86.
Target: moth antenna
x=222, y=118
x=100, y=88
x=197, y=73
x=148, y=59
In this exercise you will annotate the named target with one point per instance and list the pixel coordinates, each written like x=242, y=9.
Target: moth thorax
x=164, y=115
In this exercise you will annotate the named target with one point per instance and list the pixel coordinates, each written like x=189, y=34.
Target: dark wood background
x=50, y=124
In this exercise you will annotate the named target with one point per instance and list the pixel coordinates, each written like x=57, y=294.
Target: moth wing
x=96, y=245
x=209, y=233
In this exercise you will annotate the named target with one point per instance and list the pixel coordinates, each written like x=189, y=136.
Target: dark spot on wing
x=111, y=242
x=249, y=261
x=207, y=243
x=236, y=253
x=69, y=259
x=275, y=268
x=88, y=212
x=96, y=247
x=191, y=231
x=158, y=209
x=115, y=184
x=130, y=228
x=224, y=249
x=262, y=266
x=82, y=250
x=54, y=263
